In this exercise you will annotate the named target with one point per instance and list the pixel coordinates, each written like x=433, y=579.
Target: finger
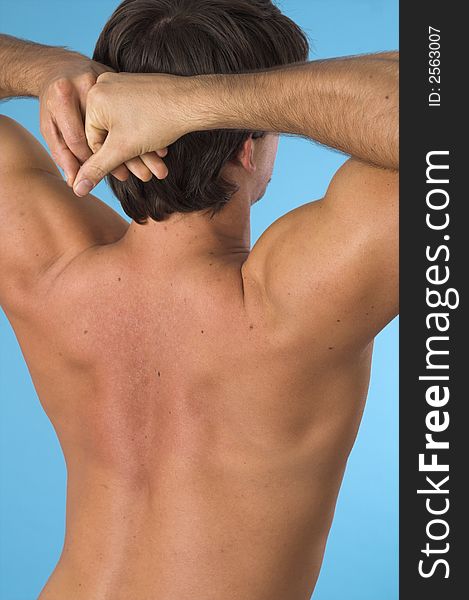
x=72, y=127
x=60, y=152
x=155, y=164
x=162, y=153
x=95, y=137
x=139, y=169
x=122, y=173
x=105, y=160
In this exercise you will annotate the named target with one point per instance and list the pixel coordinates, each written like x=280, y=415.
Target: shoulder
x=331, y=260
x=43, y=225
x=21, y=150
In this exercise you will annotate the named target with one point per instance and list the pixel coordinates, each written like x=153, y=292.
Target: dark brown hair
x=194, y=37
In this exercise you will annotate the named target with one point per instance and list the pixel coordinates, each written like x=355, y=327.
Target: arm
x=61, y=79
x=350, y=104
x=41, y=223
x=25, y=67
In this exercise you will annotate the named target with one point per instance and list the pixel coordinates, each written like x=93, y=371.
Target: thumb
x=100, y=164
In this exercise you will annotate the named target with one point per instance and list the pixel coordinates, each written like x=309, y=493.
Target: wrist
x=191, y=101
x=56, y=64
x=204, y=102
x=194, y=100
x=228, y=101
x=26, y=68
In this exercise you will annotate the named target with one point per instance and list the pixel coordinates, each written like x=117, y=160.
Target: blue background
x=361, y=561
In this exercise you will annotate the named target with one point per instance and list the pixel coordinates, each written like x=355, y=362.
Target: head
x=196, y=37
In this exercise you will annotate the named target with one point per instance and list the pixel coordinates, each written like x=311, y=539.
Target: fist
x=128, y=116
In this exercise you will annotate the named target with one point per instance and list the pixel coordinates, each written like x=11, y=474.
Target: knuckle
x=85, y=83
x=105, y=77
x=88, y=79
x=63, y=87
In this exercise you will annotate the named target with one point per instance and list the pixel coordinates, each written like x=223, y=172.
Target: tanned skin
x=206, y=396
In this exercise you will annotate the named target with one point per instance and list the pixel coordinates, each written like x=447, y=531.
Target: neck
x=196, y=234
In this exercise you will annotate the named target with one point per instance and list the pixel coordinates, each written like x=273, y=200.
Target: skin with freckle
x=205, y=430
x=205, y=425
x=206, y=395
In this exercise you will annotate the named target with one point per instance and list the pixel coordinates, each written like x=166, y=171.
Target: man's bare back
x=205, y=444
x=206, y=396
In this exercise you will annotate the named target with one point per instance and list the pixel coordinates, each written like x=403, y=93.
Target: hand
x=62, y=110
x=130, y=115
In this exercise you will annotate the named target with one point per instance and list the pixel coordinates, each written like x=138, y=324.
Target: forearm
x=25, y=66
x=349, y=104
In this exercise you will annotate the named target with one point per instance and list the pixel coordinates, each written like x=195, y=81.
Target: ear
x=246, y=155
